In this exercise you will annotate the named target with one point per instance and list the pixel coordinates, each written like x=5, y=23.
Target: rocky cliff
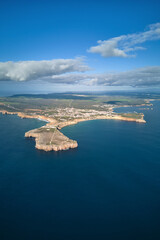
x=50, y=138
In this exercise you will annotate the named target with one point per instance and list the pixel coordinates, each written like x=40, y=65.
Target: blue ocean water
x=107, y=188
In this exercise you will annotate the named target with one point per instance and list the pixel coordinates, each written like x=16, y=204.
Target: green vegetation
x=52, y=105
x=131, y=115
x=48, y=105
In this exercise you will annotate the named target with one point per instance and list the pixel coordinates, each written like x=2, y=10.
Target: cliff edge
x=49, y=138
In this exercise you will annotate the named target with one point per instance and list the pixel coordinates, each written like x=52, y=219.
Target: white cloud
x=66, y=72
x=143, y=77
x=33, y=70
x=124, y=44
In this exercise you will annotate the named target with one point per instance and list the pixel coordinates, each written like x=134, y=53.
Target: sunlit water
x=107, y=188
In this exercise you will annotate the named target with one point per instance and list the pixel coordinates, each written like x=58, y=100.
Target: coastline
x=62, y=142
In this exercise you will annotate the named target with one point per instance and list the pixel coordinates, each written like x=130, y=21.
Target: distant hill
x=76, y=96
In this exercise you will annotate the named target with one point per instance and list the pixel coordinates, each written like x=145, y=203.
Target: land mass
x=59, y=113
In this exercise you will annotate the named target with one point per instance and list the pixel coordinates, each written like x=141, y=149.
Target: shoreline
x=64, y=142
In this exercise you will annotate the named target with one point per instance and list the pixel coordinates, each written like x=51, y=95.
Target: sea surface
x=108, y=188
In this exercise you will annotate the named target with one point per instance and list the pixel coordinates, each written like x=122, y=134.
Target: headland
x=58, y=114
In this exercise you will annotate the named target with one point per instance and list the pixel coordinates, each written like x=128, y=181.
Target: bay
x=107, y=188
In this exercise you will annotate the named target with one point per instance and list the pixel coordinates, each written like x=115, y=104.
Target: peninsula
x=59, y=113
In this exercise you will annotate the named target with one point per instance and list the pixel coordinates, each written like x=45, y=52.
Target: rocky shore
x=49, y=137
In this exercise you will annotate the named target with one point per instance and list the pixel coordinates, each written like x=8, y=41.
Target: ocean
x=108, y=188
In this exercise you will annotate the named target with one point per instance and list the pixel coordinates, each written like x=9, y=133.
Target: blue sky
x=47, y=30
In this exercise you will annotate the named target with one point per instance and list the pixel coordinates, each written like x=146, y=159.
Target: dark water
x=107, y=188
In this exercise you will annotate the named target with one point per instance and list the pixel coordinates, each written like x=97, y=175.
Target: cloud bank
x=33, y=70
x=71, y=71
x=142, y=77
x=123, y=45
